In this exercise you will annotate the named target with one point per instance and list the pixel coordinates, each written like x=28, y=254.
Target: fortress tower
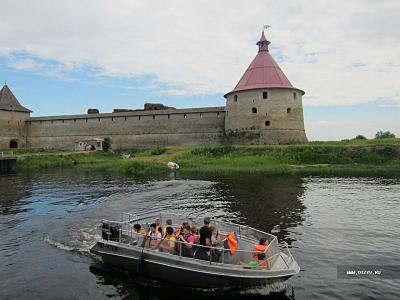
x=264, y=107
x=12, y=120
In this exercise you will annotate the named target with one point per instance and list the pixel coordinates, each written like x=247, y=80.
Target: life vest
x=178, y=231
x=257, y=249
x=231, y=242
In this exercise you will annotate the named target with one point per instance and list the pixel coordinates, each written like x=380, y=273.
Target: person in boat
x=259, y=262
x=187, y=240
x=154, y=237
x=204, y=240
x=168, y=243
x=179, y=230
x=215, y=243
x=262, y=246
x=195, y=232
x=168, y=223
x=140, y=234
x=158, y=224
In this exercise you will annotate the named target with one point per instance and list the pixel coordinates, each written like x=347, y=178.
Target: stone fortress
x=263, y=108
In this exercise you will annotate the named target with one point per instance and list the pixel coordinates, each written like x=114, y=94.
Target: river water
x=48, y=220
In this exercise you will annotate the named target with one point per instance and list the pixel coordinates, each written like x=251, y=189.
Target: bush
x=360, y=137
x=106, y=144
x=158, y=150
x=385, y=135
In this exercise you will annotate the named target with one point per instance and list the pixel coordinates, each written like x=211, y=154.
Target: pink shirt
x=190, y=239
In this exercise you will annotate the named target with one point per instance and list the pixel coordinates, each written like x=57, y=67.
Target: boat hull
x=186, y=271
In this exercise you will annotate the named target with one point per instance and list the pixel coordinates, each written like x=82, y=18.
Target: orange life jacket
x=257, y=249
x=262, y=263
x=232, y=242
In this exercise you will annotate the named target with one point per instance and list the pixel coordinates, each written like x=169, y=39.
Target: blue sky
x=66, y=57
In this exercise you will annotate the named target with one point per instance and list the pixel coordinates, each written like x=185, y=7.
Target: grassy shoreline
x=355, y=157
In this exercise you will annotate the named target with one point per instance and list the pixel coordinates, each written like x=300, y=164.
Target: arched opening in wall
x=154, y=117
x=235, y=98
x=217, y=114
x=125, y=118
x=288, y=110
x=201, y=115
x=294, y=95
x=13, y=144
x=254, y=110
x=267, y=123
x=169, y=116
x=184, y=116
x=265, y=95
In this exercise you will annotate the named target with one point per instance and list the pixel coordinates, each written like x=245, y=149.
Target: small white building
x=92, y=144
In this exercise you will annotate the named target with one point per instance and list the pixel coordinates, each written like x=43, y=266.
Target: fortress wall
x=130, y=130
x=284, y=126
x=12, y=127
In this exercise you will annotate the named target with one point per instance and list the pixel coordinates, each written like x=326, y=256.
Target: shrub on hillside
x=360, y=137
x=158, y=150
x=106, y=144
x=385, y=135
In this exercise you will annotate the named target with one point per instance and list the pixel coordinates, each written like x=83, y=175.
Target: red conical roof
x=263, y=72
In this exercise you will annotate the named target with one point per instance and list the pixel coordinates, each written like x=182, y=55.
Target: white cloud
x=340, y=53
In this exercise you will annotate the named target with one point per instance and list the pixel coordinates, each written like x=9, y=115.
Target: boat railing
x=243, y=231
x=124, y=233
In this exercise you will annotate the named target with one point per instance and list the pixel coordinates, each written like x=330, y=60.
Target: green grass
x=355, y=157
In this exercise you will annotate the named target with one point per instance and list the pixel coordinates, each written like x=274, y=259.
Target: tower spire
x=263, y=42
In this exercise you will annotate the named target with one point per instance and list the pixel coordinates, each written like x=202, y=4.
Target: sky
x=63, y=57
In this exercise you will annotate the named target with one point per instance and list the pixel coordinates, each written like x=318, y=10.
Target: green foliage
x=213, y=151
x=360, y=137
x=106, y=144
x=158, y=150
x=385, y=135
x=141, y=152
x=376, y=157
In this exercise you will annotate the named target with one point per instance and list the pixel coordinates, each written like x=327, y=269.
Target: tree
x=106, y=144
x=360, y=137
x=384, y=135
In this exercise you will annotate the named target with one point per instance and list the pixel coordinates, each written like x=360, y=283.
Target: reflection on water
x=49, y=220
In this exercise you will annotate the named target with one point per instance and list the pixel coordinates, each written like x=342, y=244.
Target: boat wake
x=79, y=244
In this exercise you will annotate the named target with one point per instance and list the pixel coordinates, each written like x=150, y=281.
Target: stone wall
x=181, y=127
x=12, y=128
x=277, y=119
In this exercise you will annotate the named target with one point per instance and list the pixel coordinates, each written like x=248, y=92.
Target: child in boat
x=262, y=246
x=195, y=232
x=158, y=224
x=259, y=262
x=168, y=224
x=187, y=240
x=140, y=234
x=154, y=237
x=168, y=243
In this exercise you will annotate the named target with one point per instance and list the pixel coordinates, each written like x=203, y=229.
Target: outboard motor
x=110, y=231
